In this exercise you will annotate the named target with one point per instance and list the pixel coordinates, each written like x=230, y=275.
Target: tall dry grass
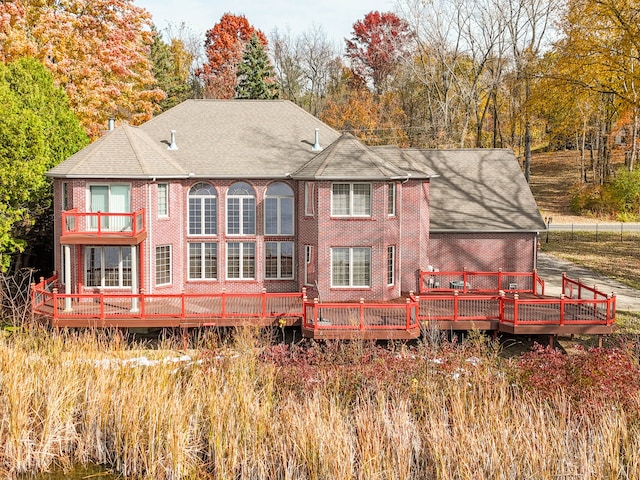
x=239, y=410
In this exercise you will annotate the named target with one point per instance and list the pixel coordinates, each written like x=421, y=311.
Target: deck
x=469, y=301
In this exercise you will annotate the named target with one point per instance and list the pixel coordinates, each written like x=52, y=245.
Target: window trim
x=164, y=214
x=309, y=199
x=170, y=251
x=241, y=209
x=241, y=261
x=351, y=213
x=391, y=265
x=64, y=187
x=279, y=201
x=351, y=285
x=121, y=270
x=392, y=191
x=202, y=222
x=202, y=276
x=279, y=260
x=309, y=259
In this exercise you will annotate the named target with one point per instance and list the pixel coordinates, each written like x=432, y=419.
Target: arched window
x=241, y=209
x=203, y=210
x=278, y=210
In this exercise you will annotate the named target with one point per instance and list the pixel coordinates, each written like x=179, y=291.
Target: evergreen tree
x=255, y=73
x=37, y=131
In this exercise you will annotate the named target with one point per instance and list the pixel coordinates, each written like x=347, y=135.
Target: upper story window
x=309, y=198
x=278, y=210
x=203, y=210
x=351, y=200
x=241, y=209
x=391, y=199
x=65, y=196
x=163, y=199
x=111, y=198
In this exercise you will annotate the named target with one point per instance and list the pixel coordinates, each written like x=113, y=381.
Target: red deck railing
x=481, y=282
x=581, y=305
x=103, y=223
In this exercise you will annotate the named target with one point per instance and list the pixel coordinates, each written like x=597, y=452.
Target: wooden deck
x=582, y=310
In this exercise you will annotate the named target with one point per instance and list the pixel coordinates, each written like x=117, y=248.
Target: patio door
x=110, y=199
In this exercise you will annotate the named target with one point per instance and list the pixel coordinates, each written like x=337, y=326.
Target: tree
x=37, y=131
x=224, y=45
x=256, y=77
x=97, y=50
x=378, y=44
x=171, y=69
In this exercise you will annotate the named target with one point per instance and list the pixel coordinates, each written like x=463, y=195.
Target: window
x=391, y=264
x=108, y=266
x=351, y=267
x=163, y=265
x=278, y=260
x=241, y=209
x=309, y=198
x=309, y=265
x=203, y=210
x=110, y=199
x=241, y=260
x=163, y=200
x=65, y=196
x=391, y=200
x=351, y=200
x=203, y=261
x=278, y=210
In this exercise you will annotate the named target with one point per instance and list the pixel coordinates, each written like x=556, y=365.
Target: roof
x=215, y=139
x=348, y=158
x=478, y=190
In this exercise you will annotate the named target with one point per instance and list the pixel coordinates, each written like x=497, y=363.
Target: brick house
x=241, y=196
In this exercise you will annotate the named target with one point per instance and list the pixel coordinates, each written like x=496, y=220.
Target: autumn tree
x=378, y=44
x=97, y=50
x=255, y=73
x=224, y=46
x=37, y=131
x=171, y=66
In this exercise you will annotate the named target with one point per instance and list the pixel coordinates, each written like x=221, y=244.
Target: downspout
x=400, y=244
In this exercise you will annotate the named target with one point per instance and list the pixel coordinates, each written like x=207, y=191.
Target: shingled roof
x=215, y=139
x=478, y=190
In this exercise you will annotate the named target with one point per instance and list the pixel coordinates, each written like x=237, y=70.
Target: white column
x=134, y=277
x=67, y=277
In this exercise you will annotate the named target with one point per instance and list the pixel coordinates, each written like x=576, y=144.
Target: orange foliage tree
x=97, y=50
x=224, y=45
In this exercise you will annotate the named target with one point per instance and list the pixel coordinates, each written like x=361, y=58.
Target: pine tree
x=255, y=73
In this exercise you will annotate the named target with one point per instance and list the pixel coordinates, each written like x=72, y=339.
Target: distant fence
x=593, y=231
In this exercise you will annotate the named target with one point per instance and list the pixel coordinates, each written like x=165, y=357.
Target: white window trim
x=64, y=187
x=392, y=187
x=279, y=256
x=170, y=265
x=391, y=255
x=241, y=261
x=167, y=195
x=201, y=278
x=202, y=216
x=351, y=285
x=351, y=214
x=310, y=198
x=279, y=199
x=308, y=257
x=242, y=198
x=102, y=276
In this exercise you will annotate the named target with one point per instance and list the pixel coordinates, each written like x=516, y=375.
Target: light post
x=548, y=221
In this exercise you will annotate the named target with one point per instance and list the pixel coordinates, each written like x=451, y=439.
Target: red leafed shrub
x=592, y=378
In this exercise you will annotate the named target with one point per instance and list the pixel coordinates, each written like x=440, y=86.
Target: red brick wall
x=514, y=252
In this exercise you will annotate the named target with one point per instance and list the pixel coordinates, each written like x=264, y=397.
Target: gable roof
x=347, y=158
x=478, y=190
x=215, y=139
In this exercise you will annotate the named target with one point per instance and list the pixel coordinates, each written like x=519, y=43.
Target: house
x=240, y=196
x=222, y=212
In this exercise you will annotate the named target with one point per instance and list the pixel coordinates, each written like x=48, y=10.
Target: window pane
x=163, y=199
x=340, y=199
x=233, y=216
x=195, y=215
x=163, y=265
x=286, y=214
x=391, y=199
x=111, y=266
x=271, y=259
x=210, y=215
x=286, y=260
x=361, y=267
x=195, y=261
x=248, y=260
x=93, y=273
x=210, y=260
x=248, y=216
x=280, y=189
x=390, y=265
x=233, y=260
x=271, y=216
x=361, y=199
x=340, y=267
x=309, y=198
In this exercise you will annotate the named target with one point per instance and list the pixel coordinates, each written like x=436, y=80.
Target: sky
x=336, y=17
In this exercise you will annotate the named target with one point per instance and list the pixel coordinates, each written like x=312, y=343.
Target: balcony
x=103, y=228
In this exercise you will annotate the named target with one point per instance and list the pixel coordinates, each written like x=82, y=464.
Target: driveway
x=550, y=269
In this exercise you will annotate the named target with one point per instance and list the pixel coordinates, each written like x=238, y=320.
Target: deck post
x=264, y=302
x=562, y=304
x=134, y=280
x=223, y=306
x=101, y=297
x=142, y=302
x=516, y=299
x=316, y=318
x=408, y=313
x=183, y=305
x=55, y=305
x=361, y=313
x=67, y=278
x=455, y=305
x=500, y=278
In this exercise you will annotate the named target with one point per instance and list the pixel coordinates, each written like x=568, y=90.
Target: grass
x=248, y=408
